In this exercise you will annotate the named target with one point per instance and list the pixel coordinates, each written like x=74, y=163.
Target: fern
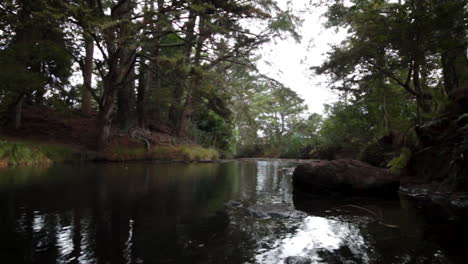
x=400, y=162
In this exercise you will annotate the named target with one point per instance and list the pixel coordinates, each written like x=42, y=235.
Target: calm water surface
x=177, y=213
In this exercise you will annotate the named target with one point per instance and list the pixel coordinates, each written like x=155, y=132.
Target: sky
x=289, y=62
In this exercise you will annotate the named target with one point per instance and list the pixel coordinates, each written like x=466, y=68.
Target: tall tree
x=35, y=53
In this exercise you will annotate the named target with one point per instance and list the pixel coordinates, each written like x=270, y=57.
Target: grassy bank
x=165, y=153
x=18, y=153
x=24, y=153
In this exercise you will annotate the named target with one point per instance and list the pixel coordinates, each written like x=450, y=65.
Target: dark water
x=176, y=213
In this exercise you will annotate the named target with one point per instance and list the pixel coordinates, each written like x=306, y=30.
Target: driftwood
x=140, y=135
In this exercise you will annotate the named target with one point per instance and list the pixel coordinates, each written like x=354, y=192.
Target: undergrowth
x=28, y=153
x=13, y=153
x=400, y=162
x=166, y=153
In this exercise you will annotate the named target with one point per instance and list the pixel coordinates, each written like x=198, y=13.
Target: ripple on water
x=315, y=234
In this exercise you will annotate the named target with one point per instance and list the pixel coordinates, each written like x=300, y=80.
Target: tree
x=401, y=42
x=34, y=54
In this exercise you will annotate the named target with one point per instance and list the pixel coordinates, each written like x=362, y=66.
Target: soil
x=72, y=128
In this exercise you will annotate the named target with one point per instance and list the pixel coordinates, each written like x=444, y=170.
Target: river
x=201, y=213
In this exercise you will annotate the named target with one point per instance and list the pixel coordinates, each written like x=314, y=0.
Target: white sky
x=289, y=62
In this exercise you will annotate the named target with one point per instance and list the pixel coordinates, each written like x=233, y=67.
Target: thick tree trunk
x=87, y=72
x=185, y=118
x=120, y=64
x=105, y=117
x=187, y=109
x=125, y=103
x=125, y=92
x=177, y=107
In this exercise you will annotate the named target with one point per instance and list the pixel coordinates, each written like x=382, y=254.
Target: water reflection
x=273, y=185
x=176, y=213
x=314, y=235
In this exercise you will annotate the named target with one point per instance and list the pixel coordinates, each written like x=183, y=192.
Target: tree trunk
x=40, y=90
x=16, y=112
x=120, y=62
x=125, y=92
x=87, y=72
x=185, y=117
x=156, y=78
x=187, y=110
x=177, y=107
x=454, y=56
x=125, y=102
x=145, y=78
x=105, y=116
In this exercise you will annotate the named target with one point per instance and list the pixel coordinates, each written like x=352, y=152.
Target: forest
x=144, y=79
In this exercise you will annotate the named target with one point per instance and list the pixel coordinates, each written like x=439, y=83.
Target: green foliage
x=268, y=117
x=212, y=130
x=183, y=65
x=293, y=146
x=401, y=161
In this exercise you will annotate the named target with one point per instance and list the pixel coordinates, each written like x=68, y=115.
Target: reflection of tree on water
x=117, y=214
x=174, y=213
x=272, y=184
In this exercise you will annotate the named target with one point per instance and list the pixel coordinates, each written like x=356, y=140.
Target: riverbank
x=24, y=153
x=49, y=136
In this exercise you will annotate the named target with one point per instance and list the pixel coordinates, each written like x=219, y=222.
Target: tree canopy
x=188, y=68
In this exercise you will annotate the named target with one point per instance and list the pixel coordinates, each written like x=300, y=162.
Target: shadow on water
x=202, y=213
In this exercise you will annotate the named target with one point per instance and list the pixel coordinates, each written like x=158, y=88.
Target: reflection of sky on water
x=262, y=176
x=311, y=235
x=177, y=213
x=272, y=185
x=314, y=234
x=46, y=226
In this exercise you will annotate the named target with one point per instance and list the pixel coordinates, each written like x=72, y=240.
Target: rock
x=344, y=176
x=286, y=171
x=342, y=255
x=233, y=204
x=266, y=211
x=432, y=192
x=381, y=152
x=297, y=260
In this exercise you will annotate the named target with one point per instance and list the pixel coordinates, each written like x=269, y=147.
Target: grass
x=18, y=153
x=14, y=154
x=167, y=153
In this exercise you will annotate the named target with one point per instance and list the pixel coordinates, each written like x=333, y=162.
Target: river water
x=201, y=213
